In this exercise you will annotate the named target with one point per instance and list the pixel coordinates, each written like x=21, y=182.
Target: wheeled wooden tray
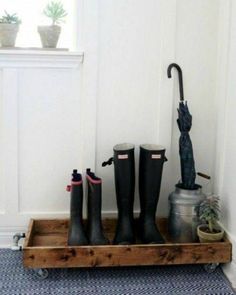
x=46, y=246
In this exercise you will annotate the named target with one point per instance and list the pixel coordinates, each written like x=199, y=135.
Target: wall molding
x=221, y=92
x=40, y=59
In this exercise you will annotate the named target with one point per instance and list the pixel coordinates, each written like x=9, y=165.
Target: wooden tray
x=45, y=246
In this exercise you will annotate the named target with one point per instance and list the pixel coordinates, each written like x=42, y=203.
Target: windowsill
x=39, y=58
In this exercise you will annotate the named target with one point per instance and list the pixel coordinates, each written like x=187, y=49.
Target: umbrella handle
x=181, y=87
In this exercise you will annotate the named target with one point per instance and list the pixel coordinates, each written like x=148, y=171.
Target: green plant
x=55, y=11
x=209, y=211
x=10, y=18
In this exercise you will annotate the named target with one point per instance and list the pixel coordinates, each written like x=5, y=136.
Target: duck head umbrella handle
x=178, y=68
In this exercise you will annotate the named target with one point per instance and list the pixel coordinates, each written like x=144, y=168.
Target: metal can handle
x=204, y=175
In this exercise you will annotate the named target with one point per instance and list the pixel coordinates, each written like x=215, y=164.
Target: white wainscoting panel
x=49, y=138
x=9, y=140
x=2, y=199
x=40, y=140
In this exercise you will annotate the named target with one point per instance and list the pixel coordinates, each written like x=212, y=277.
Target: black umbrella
x=184, y=122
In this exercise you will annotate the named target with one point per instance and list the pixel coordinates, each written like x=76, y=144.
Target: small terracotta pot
x=209, y=237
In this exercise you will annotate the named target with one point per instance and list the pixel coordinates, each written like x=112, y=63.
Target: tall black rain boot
x=152, y=158
x=76, y=234
x=94, y=207
x=124, y=183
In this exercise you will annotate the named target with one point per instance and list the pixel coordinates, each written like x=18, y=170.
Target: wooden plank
x=51, y=226
x=54, y=239
x=50, y=240
x=46, y=247
x=61, y=225
x=101, y=256
x=29, y=235
x=48, y=231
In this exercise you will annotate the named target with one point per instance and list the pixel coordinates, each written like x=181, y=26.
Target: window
x=30, y=12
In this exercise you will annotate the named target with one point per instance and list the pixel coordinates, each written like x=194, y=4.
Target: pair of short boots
x=152, y=158
x=93, y=234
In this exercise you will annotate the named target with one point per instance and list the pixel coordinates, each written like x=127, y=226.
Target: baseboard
x=7, y=233
x=229, y=269
x=113, y=214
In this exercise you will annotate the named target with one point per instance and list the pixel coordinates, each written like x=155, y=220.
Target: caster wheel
x=41, y=273
x=211, y=267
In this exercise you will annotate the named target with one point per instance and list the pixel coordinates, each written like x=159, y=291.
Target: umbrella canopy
x=184, y=122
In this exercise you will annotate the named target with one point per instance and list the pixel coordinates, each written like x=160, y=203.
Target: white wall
x=196, y=51
x=133, y=57
x=135, y=101
x=225, y=160
x=56, y=119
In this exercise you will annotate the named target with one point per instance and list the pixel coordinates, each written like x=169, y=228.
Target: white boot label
x=155, y=156
x=122, y=157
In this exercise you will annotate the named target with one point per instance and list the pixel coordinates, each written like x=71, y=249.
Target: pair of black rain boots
x=152, y=158
x=93, y=234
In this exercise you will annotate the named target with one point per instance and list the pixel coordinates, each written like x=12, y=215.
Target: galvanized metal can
x=184, y=213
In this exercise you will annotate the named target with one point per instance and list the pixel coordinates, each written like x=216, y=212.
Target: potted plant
x=9, y=27
x=209, y=211
x=49, y=35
